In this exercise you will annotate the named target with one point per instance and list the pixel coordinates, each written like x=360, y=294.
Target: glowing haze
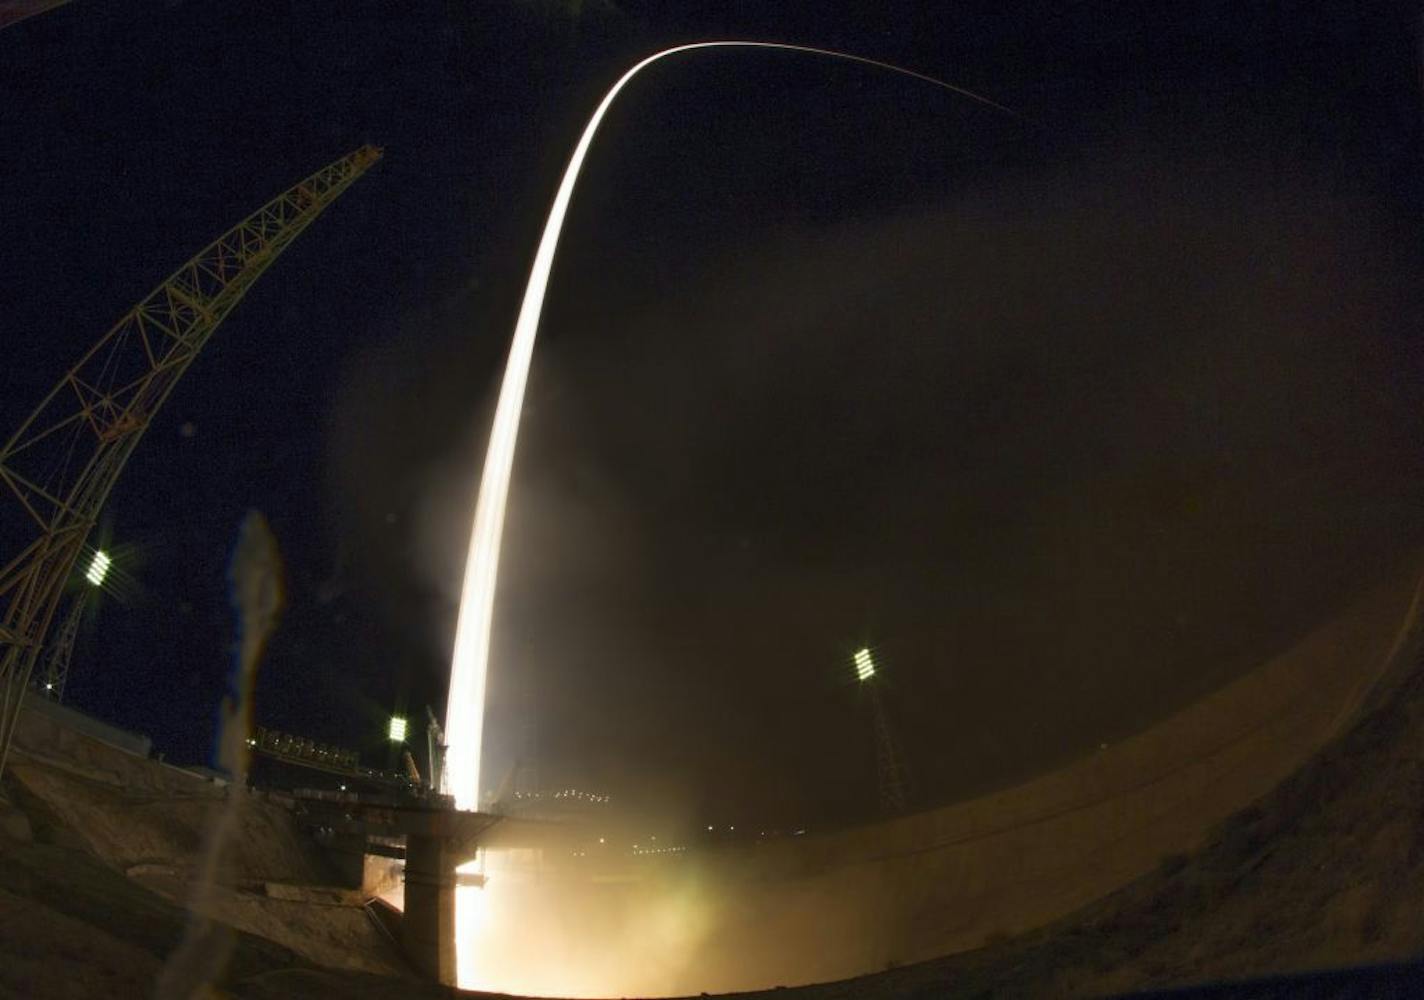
x=464, y=717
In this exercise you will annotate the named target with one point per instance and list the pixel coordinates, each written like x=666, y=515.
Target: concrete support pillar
x=347, y=852
x=428, y=928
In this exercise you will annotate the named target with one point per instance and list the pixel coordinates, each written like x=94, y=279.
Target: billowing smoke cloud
x=1070, y=451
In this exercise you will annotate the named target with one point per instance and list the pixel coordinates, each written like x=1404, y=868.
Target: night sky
x=1072, y=417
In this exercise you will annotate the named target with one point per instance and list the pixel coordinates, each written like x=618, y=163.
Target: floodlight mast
x=61, y=651
x=864, y=665
x=397, y=729
x=892, y=777
x=98, y=568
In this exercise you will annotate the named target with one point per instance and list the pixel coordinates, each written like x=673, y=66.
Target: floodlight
x=98, y=568
x=864, y=665
x=397, y=730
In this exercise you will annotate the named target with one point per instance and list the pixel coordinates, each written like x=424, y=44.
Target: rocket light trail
x=464, y=719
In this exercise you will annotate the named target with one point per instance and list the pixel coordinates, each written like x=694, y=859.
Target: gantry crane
x=56, y=471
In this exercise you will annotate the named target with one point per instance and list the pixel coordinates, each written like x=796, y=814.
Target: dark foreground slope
x=1327, y=870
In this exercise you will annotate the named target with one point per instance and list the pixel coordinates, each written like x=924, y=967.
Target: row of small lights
x=296, y=748
x=638, y=849
x=567, y=793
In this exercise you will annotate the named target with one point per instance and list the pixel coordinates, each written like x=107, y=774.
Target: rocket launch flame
x=464, y=718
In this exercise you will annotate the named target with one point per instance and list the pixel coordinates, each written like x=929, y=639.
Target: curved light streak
x=464, y=715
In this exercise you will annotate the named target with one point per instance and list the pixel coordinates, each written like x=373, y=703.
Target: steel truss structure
x=61, y=650
x=892, y=777
x=56, y=471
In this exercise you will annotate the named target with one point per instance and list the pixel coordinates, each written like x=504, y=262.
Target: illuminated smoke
x=464, y=716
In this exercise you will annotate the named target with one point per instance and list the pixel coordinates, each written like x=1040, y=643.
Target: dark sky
x=1071, y=418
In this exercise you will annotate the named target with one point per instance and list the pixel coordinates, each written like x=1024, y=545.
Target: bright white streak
x=464, y=714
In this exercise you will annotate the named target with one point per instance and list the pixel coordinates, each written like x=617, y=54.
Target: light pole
x=56, y=672
x=890, y=767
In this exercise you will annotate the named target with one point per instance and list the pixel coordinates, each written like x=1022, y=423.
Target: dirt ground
x=101, y=870
x=1326, y=870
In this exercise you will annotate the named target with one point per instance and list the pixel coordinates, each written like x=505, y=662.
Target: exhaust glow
x=464, y=718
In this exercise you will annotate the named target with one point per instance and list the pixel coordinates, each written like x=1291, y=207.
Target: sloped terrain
x=131, y=828
x=70, y=926
x=1325, y=870
x=80, y=835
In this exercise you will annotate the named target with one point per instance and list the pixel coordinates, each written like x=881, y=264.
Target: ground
x=1326, y=870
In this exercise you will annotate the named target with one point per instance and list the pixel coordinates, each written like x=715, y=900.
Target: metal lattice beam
x=56, y=471
x=61, y=650
x=892, y=776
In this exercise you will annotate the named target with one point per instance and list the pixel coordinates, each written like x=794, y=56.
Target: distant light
x=397, y=730
x=49, y=686
x=98, y=568
x=864, y=665
x=709, y=829
x=600, y=840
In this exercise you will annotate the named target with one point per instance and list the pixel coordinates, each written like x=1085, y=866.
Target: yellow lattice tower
x=56, y=471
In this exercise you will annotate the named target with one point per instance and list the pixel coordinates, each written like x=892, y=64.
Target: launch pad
x=438, y=838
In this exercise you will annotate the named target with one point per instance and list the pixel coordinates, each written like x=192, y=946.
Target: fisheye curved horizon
x=464, y=715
